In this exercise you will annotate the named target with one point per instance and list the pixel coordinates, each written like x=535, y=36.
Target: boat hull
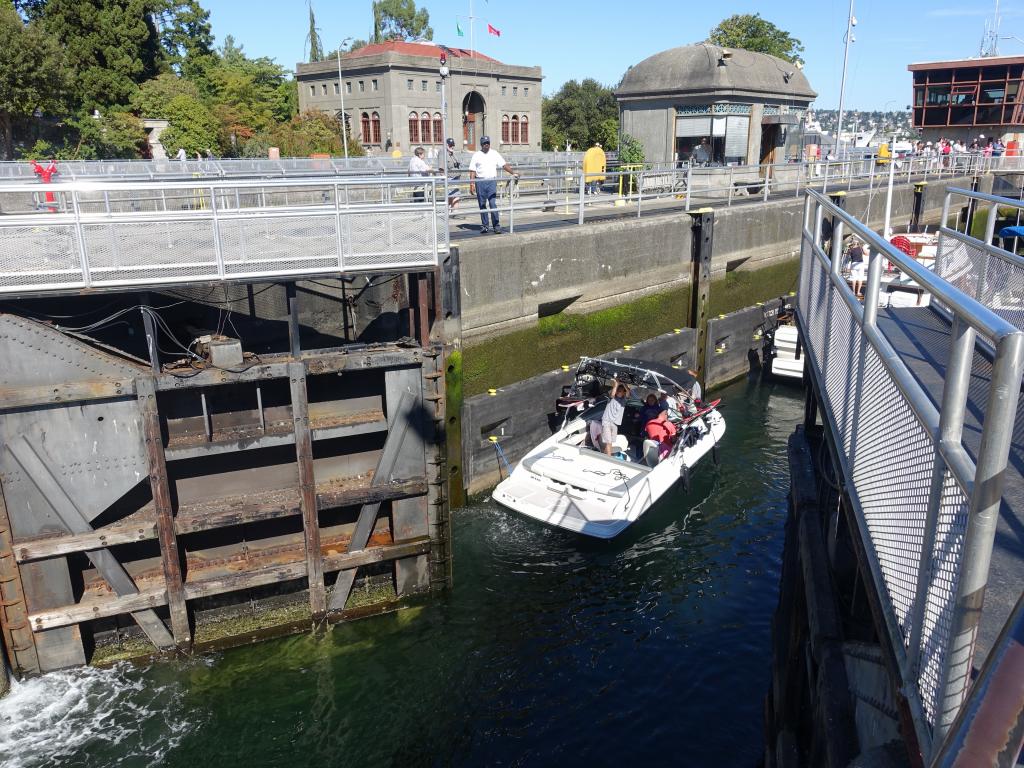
x=567, y=485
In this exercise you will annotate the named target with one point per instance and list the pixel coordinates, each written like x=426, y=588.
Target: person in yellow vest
x=594, y=164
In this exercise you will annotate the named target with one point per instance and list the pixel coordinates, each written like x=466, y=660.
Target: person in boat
x=650, y=408
x=613, y=413
x=667, y=402
x=661, y=433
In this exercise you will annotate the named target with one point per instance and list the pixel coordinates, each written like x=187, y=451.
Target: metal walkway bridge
x=142, y=224
x=924, y=410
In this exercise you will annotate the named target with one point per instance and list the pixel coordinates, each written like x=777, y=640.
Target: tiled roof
x=430, y=50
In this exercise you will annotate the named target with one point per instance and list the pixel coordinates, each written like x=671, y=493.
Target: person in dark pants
x=483, y=182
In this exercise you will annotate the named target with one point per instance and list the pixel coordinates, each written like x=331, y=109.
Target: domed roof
x=702, y=69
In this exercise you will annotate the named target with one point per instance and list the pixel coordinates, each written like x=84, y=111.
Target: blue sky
x=574, y=39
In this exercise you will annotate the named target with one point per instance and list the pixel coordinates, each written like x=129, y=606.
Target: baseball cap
x=450, y=142
x=485, y=139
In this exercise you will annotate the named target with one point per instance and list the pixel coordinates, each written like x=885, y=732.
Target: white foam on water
x=117, y=712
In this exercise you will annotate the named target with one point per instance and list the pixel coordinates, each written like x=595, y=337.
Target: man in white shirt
x=418, y=167
x=483, y=182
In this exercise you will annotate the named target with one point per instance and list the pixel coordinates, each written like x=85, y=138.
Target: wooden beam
x=307, y=490
x=157, y=596
x=368, y=514
x=69, y=392
x=98, y=609
x=38, y=472
x=169, y=556
x=201, y=516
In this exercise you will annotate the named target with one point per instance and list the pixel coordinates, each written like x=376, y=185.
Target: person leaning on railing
x=419, y=167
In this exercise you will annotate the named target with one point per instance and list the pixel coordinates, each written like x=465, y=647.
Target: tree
x=108, y=137
x=400, y=20
x=316, y=51
x=185, y=33
x=112, y=44
x=153, y=96
x=752, y=33
x=576, y=114
x=631, y=151
x=31, y=74
x=191, y=126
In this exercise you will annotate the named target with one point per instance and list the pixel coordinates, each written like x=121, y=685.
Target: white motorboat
x=568, y=482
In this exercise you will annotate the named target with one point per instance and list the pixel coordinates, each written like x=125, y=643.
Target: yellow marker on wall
x=492, y=392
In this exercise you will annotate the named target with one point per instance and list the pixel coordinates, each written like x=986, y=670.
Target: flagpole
x=471, y=23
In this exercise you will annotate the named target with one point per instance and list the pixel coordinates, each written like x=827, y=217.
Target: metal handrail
x=979, y=480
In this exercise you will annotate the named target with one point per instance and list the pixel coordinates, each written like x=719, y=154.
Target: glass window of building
x=408, y=85
x=524, y=130
x=364, y=125
x=438, y=129
x=337, y=90
x=374, y=86
x=423, y=85
x=348, y=87
x=425, y=128
x=515, y=90
x=362, y=86
x=414, y=128
x=312, y=90
x=504, y=89
x=323, y=88
x=515, y=129
x=526, y=90
x=504, y=129
x=375, y=127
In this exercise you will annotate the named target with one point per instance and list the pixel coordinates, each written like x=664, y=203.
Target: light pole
x=443, y=72
x=341, y=91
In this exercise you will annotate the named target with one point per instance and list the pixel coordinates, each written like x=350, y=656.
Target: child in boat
x=650, y=408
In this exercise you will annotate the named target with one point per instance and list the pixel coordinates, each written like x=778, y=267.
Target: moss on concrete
x=126, y=649
x=246, y=622
x=562, y=338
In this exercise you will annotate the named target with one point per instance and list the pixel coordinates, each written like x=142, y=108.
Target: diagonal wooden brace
x=368, y=514
x=38, y=472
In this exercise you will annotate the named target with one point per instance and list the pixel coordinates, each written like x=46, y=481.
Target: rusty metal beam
x=422, y=309
x=294, y=339
x=169, y=556
x=307, y=490
x=36, y=470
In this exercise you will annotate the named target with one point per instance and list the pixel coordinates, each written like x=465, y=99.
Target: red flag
x=494, y=31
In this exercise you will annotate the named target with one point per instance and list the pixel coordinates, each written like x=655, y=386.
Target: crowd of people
x=986, y=147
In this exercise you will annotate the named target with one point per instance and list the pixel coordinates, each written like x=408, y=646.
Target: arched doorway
x=472, y=119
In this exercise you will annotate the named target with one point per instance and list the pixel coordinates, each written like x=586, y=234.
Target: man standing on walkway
x=483, y=182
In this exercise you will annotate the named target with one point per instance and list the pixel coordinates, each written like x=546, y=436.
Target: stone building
x=392, y=94
x=749, y=107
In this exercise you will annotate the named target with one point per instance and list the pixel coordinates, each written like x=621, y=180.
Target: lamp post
x=443, y=72
x=341, y=91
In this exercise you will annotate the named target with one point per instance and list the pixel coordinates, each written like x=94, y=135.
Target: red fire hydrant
x=46, y=176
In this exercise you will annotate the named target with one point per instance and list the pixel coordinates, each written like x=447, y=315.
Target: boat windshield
x=639, y=373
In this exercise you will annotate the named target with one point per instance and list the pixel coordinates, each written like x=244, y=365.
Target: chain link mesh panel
x=891, y=457
x=55, y=258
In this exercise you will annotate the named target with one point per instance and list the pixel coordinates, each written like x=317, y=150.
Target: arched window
x=364, y=125
x=438, y=129
x=375, y=126
x=524, y=130
x=515, y=129
x=414, y=128
x=504, y=129
x=425, y=128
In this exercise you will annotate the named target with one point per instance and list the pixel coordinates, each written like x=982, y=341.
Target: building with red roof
x=392, y=97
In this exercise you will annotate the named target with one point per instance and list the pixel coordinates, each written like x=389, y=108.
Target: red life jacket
x=661, y=431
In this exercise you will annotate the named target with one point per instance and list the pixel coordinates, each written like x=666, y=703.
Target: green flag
x=458, y=30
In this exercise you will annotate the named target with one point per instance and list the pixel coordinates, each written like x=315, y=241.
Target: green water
x=652, y=648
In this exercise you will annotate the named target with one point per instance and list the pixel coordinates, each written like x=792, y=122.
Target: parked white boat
x=567, y=482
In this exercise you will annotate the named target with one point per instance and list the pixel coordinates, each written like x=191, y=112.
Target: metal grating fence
x=908, y=475
x=992, y=275
x=128, y=234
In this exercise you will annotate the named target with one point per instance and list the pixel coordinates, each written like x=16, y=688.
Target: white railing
x=86, y=235
x=925, y=508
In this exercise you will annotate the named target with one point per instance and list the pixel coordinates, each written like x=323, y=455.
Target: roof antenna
x=990, y=39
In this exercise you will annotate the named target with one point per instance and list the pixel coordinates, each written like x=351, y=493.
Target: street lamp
x=443, y=71
x=341, y=91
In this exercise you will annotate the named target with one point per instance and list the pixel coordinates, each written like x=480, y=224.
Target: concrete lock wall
x=508, y=282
